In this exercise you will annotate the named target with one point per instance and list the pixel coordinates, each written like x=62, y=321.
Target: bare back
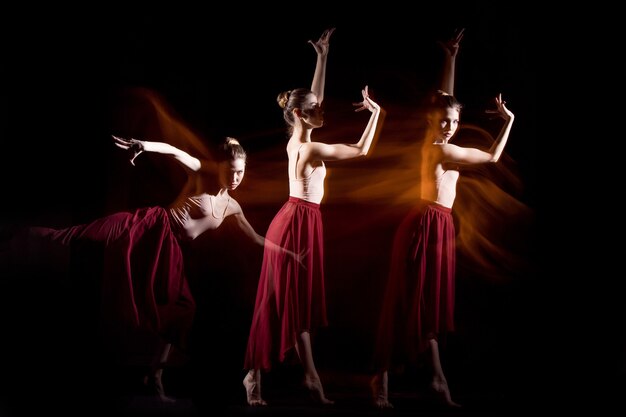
x=306, y=179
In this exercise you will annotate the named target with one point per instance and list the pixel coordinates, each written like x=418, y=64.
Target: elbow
x=363, y=151
x=196, y=165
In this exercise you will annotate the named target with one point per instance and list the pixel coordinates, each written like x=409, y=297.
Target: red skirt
x=144, y=281
x=290, y=298
x=419, y=298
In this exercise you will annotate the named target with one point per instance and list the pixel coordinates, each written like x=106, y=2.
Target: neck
x=301, y=134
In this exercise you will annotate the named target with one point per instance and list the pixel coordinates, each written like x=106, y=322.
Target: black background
x=65, y=76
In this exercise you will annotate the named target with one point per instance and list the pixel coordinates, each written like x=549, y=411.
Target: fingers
x=499, y=101
x=459, y=35
x=117, y=139
x=327, y=33
x=325, y=36
x=120, y=142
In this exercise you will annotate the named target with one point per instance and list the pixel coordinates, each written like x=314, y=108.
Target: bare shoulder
x=234, y=207
x=447, y=148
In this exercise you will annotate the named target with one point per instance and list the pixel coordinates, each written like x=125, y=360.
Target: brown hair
x=441, y=100
x=290, y=100
x=231, y=149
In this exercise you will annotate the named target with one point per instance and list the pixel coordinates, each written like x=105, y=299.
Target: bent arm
x=336, y=152
x=458, y=154
x=341, y=151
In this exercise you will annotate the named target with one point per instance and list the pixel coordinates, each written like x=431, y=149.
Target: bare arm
x=335, y=152
x=453, y=153
x=450, y=50
x=136, y=147
x=249, y=231
x=319, y=77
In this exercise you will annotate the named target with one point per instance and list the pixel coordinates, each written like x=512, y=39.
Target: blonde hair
x=283, y=98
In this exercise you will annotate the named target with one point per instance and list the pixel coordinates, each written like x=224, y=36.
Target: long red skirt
x=419, y=298
x=290, y=298
x=144, y=282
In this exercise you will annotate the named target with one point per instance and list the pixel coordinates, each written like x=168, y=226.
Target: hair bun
x=283, y=98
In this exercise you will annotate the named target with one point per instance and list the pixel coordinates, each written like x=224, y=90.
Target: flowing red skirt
x=144, y=282
x=290, y=298
x=419, y=298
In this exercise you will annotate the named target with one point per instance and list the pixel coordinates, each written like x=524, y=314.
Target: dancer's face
x=232, y=172
x=445, y=123
x=311, y=111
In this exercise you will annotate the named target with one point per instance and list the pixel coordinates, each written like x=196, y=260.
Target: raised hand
x=323, y=43
x=451, y=46
x=367, y=103
x=134, y=146
x=501, y=110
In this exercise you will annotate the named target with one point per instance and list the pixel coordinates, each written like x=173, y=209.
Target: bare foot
x=317, y=392
x=380, y=394
x=442, y=393
x=155, y=387
x=252, y=383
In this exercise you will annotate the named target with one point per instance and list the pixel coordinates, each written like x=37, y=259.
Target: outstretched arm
x=136, y=147
x=319, y=78
x=450, y=49
x=453, y=153
x=335, y=152
x=249, y=231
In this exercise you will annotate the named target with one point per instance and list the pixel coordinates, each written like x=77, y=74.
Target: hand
x=299, y=257
x=134, y=146
x=451, y=46
x=322, y=44
x=501, y=110
x=367, y=102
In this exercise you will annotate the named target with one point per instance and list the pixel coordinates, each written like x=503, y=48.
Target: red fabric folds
x=419, y=298
x=144, y=282
x=290, y=298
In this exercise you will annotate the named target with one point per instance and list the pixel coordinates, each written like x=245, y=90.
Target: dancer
x=418, y=307
x=290, y=301
x=144, y=281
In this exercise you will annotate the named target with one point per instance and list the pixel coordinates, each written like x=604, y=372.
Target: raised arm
x=319, y=78
x=453, y=153
x=335, y=152
x=136, y=147
x=450, y=49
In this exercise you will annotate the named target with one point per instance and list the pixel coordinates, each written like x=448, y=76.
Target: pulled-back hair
x=292, y=99
x=441, y=100
x=231, y=149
